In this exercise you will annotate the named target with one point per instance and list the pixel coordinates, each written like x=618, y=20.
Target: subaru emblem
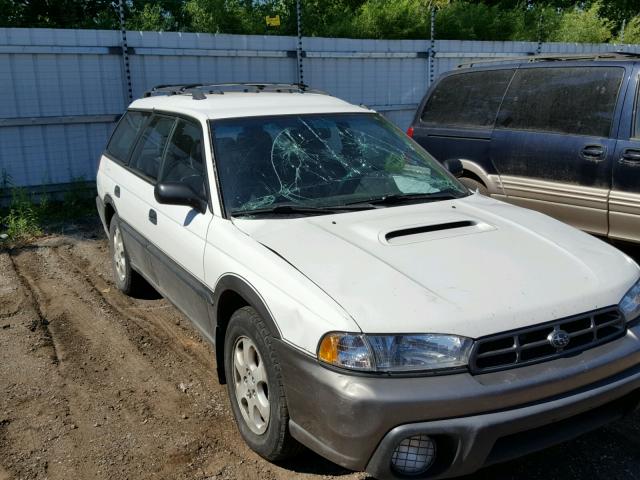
x=559, y=339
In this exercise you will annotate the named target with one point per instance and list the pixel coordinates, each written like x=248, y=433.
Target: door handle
x=153, y=216
x=116, y=191
x=630, y=157
x=593, y=153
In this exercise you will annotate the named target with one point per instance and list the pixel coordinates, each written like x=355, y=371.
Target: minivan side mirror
x=174, y=193
x=454, y=166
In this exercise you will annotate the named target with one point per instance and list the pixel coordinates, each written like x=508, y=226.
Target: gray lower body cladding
x=357, y=420
x=100, y=208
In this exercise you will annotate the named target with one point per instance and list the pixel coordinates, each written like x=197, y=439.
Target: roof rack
x=199, y=90
x=557, y=58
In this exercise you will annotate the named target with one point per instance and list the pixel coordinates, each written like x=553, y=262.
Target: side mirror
x=454, y=166
x=173, y=193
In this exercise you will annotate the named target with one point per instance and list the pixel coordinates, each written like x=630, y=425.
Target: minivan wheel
x=255, y=387
x=474, y=185
x=126, y=279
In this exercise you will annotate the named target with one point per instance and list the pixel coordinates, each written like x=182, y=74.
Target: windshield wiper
x=400, y=198
x=288, y=209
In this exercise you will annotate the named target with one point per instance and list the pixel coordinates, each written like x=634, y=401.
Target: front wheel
x=255, y=387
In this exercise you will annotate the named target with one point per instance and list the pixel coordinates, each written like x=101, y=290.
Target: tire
x=125, y=278
x=474, y=185
x=255, y=387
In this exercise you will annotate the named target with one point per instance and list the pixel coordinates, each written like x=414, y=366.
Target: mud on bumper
x=357, y=421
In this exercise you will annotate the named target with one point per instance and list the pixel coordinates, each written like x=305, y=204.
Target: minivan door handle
x=153, y=216
x=630, y=157
x=593, y=153
x=117, y=191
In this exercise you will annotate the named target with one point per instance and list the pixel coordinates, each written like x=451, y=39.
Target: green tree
x=151, y=17
x=58, y=14
x=632, y=30
x=619, y=10
x=397, y=19
x=464, y=20
x=583, y=25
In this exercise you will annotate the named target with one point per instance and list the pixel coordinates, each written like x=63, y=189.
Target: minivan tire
x=126, y=279
x=474, y=185
x=275, y=443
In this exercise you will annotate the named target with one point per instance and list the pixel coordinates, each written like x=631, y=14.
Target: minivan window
x=468, y=99
x=570, y=100
x=147, y=155
x=124, y=135
x=183, y=161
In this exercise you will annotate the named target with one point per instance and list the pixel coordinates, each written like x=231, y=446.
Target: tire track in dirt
x=158, y=322
x=34, y=301
x=135, y=384
x=94, y=357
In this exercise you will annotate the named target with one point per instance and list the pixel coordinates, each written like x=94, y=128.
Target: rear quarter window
x=124, y=135
x=469, y=99
x=570, y=100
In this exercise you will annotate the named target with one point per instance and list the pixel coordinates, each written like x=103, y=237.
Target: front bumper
x=357, y=420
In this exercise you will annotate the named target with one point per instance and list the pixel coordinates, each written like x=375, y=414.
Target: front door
x=177, y=248
x=624, y=200
x=552, y=143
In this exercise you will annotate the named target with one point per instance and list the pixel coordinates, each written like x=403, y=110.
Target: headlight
x=630, y=303
x=394, y=353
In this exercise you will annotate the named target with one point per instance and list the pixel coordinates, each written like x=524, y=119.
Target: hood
x=472, y=267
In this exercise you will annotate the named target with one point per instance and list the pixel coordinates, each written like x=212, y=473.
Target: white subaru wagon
x=361, y=301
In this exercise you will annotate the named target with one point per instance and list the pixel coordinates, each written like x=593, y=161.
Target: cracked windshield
x=323, y=161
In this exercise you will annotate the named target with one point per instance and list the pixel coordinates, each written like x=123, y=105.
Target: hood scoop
x=423, y=233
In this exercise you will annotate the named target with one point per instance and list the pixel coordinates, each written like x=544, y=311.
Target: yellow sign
x=273, y=21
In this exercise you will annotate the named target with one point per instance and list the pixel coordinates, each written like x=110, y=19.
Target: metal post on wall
x=432, y=47
x=622, y=29
x=299, y=48
x=125, y=51
x=539, y=48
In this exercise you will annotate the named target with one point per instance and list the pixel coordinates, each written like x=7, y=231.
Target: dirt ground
x=96, y=385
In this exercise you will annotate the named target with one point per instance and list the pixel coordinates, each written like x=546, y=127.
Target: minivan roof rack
x=618, y=55
x=199, y=90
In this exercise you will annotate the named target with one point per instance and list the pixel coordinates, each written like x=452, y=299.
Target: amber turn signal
x=328, y=350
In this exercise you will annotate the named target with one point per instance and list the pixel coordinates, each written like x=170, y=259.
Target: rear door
x=553, y=145
x=113, y=177
x=624, y=200
x=458, y=115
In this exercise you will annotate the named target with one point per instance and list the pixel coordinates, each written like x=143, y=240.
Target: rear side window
x=147, y=155
x=467, y=99
x=573, y=100
x=124, y=135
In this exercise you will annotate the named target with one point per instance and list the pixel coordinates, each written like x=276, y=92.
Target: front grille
x=532, y=345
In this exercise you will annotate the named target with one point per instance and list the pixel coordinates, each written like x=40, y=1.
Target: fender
x=492, y=181
x=102, y=211
x=230, y=283
x=109, y=201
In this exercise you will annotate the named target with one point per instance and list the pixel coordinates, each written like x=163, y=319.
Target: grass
x=23, y=218
x=28, y=218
